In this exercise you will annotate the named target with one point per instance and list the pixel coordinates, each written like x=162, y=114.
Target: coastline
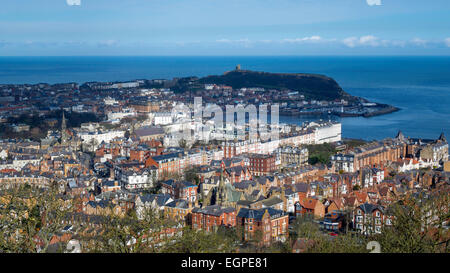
x=387, y=109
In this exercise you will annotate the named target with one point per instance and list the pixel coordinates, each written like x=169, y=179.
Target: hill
x=312, y=86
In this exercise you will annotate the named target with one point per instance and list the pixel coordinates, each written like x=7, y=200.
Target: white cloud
x=373, y=2
x=350, y=41
x=73, y=2
x=419, y=42
x=304, y=39
x=369, y=40
x=447, y=42
x=245, y=42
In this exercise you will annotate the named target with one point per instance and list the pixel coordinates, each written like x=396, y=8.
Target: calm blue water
x=418, y=85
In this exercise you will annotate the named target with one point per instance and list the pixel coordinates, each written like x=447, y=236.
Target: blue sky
x=219, y=27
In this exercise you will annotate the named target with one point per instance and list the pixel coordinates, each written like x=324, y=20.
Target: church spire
x=220, y=191
x=221, y=195
x=64, y=136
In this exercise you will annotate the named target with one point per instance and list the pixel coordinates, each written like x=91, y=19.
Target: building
x=264, y=225
x=370, y=154
x=151, y=203
x=145, y=107
x=132, y=179
x=334, y=221
x=369, y=219
x=97, y=137
x=162, y=118
x=447, y=166
x=210, y=217
x=327, y=132
x=149, y=133
x=291, y=155
x=179, y=210
x=167, y=164
x=20, y=127
x=261, y=164
x=309, y=206
x=183, y=190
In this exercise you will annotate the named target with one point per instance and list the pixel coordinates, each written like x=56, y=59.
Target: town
x=83, y=164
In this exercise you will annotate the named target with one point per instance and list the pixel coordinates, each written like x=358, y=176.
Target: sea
x=418, y=85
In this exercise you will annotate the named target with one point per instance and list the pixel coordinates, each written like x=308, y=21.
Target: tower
x=221, y=194
x=400, y=136
x=64, y=136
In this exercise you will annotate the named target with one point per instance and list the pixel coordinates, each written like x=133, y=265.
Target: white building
x=120, y=115
x=3, y=154
x=142, y=179
x=162, y=118
x=125, y=85
x=110, y=101
x=327, y=132
x=98, y=137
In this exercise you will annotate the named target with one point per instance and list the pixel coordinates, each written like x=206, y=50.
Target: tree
x=320, y=153
x=127, y=134
x=128, y=234
x=191, y=176
x=200, y=241
x=31, y=217
x=306, y=228
x=182, y=143
x=417, y=225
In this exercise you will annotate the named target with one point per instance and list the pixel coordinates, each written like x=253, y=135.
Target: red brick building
x=309, y=206
x=180, y=190
x=369, y=218
x=264, y=225
x=261, y=164
x=211, y=217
